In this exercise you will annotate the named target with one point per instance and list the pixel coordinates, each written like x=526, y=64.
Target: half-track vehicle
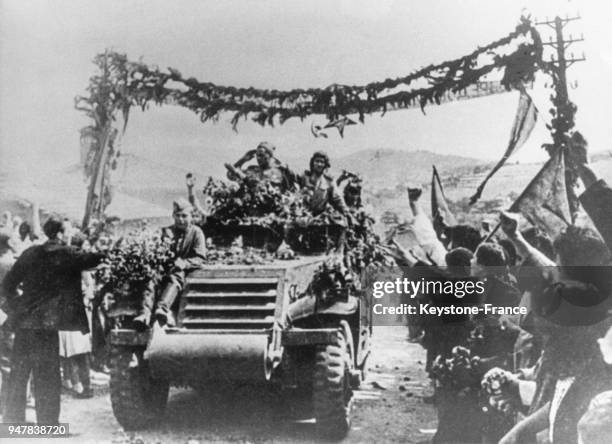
x=250, y=323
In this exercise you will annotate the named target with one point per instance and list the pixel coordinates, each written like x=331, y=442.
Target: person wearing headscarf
x=268, y=168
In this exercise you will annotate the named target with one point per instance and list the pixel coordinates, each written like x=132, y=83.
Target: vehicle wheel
x=332, y=394
x=136, y=398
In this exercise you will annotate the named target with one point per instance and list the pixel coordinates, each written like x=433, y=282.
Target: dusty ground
x=388, y=408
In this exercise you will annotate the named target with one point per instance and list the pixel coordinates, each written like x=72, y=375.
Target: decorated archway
x=121, y=84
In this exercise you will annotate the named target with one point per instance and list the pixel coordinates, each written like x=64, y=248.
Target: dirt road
x=388, y=408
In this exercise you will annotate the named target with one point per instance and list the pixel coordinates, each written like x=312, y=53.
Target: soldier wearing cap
x=189, y=247
x=268, y=168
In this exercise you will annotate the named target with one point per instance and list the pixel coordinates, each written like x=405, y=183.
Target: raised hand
x=414, y=193
x=250, y=154
x=190, y=180
x=509, y=223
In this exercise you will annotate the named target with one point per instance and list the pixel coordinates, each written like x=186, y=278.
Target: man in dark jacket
x=50, y=300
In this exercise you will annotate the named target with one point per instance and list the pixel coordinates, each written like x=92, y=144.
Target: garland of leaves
x=126, y=84
x=122, y=84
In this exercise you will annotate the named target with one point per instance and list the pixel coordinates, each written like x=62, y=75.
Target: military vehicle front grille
x=230, y=303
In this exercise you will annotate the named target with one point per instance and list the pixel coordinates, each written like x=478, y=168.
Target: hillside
x=386, y=168
x=381, y=168
x=146, y=187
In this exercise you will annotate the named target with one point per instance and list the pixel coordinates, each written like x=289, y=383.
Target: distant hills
x=146, y=187
x=387, y=168
x=380, y=168
x=386, y=173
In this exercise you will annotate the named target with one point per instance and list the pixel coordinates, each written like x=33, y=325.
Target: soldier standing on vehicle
x=50, y=300
x=268, y=168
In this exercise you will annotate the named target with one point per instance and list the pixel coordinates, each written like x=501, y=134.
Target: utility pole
x=558, y=65
x=564, y=110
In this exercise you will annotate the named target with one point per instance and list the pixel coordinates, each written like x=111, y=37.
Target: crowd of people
x=543, y=376
x=497, y=378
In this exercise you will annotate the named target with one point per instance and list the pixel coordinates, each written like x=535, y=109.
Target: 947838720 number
x=16, y=430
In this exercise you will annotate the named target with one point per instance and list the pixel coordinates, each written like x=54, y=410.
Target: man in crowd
x=597, y=197
x=500, y=290
x=51, y=300
x=189, y=248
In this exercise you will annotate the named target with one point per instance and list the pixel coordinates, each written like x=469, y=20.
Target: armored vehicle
x=289, y=324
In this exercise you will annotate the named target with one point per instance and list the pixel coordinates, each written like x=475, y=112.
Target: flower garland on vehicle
x=245, y=203
x=237, y=255
x=135, y=259
x=261, y=203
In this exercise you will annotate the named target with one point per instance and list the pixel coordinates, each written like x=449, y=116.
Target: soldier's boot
x=143, y=320
x=163, y=314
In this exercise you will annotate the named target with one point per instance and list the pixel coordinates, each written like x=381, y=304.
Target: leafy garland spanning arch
x=122, y=84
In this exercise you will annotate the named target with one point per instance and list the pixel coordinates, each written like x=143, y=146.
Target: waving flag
x=524, y=122
x=544, y=202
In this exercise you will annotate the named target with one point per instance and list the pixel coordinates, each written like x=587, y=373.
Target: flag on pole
x=524, y=122
x=544, y=202
x=440, y=213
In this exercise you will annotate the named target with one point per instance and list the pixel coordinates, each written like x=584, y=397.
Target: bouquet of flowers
x=333, y=281
x=459, y=372
x=497, y=385
x=244, y=203
x=133, y=260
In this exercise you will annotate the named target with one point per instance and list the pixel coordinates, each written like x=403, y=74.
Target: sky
x=46, y=48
